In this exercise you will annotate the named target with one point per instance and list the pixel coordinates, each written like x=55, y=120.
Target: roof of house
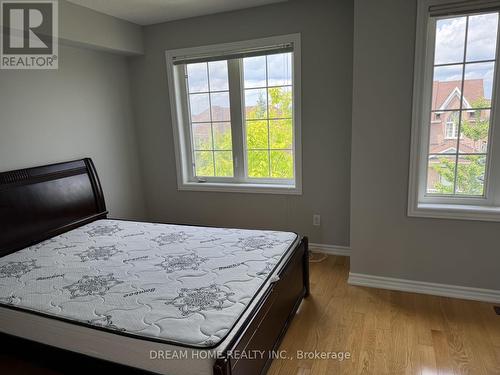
x=218, y=114
x=441, y=91
x=449, y=146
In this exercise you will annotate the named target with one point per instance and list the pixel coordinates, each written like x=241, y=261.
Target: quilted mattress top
x=183, y=285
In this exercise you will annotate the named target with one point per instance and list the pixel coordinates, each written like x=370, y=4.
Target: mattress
x=171, y=284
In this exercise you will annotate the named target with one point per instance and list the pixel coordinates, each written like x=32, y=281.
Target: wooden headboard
x=41, y=202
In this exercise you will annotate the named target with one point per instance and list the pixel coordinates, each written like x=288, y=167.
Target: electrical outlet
x=317, y=220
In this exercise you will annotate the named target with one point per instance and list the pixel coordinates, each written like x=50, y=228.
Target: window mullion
x=235, y=99
x=460, y=106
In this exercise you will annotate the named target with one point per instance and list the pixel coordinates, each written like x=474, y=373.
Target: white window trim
x=485, y=208
x=456, y=92
x=176, y=93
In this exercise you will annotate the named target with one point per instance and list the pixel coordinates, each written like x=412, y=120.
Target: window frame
x=487, y=207
x=180, y=121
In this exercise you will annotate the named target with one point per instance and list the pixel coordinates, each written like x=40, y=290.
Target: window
x=455, y=161
x=452, y=125
x=236, y=115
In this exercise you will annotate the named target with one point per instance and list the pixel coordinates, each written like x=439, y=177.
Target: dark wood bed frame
x=42, y=202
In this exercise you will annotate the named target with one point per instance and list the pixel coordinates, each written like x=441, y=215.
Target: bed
x=165, y=298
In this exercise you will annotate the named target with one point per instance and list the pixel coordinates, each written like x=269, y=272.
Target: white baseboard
x=443, y=290
x=330, y=249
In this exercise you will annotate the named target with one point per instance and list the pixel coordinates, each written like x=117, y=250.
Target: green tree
x=470, y=170
x=260, y=136
x=478, y=129
x=277, y=135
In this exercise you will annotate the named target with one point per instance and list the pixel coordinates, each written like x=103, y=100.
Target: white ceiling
x=147, y=12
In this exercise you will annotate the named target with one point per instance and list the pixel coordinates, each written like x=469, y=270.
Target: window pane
x=258, y=163
x=280, y=102
x=200, y=108
x=478, y=84
x=470, y=175
x=254, y=71
x=218, y=75
x=197, y=77
x=223, y=163
x=204, y=161
x=447, y=87
x=441, y=174
x=269, y=114
x=474, y=131
x=256, y=104
x=257, y=134
x=220, y=106
x=482, y=37
x=279, y=69
x=222, y=136
x=281, y=134
x=450, y=40
x=281, y=164
x=202, y=136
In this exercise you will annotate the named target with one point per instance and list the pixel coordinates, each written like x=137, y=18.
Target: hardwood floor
x=385, y=332
x=388, y=332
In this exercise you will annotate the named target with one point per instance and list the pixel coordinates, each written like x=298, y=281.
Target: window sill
x=240, y=188
x=455, y=211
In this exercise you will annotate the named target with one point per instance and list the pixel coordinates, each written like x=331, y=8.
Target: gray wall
x=83, y=26
x=384, y=240
x=82, y=109
x=326, y=28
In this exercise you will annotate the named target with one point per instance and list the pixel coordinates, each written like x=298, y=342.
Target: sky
x=215, y=75
x=481, y=45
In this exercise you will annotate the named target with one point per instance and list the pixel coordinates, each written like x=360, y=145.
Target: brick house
x=444, y=124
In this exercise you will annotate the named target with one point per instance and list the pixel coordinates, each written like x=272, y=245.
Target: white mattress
x=178, y=285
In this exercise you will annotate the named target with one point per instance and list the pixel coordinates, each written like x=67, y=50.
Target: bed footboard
x=269, y=322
